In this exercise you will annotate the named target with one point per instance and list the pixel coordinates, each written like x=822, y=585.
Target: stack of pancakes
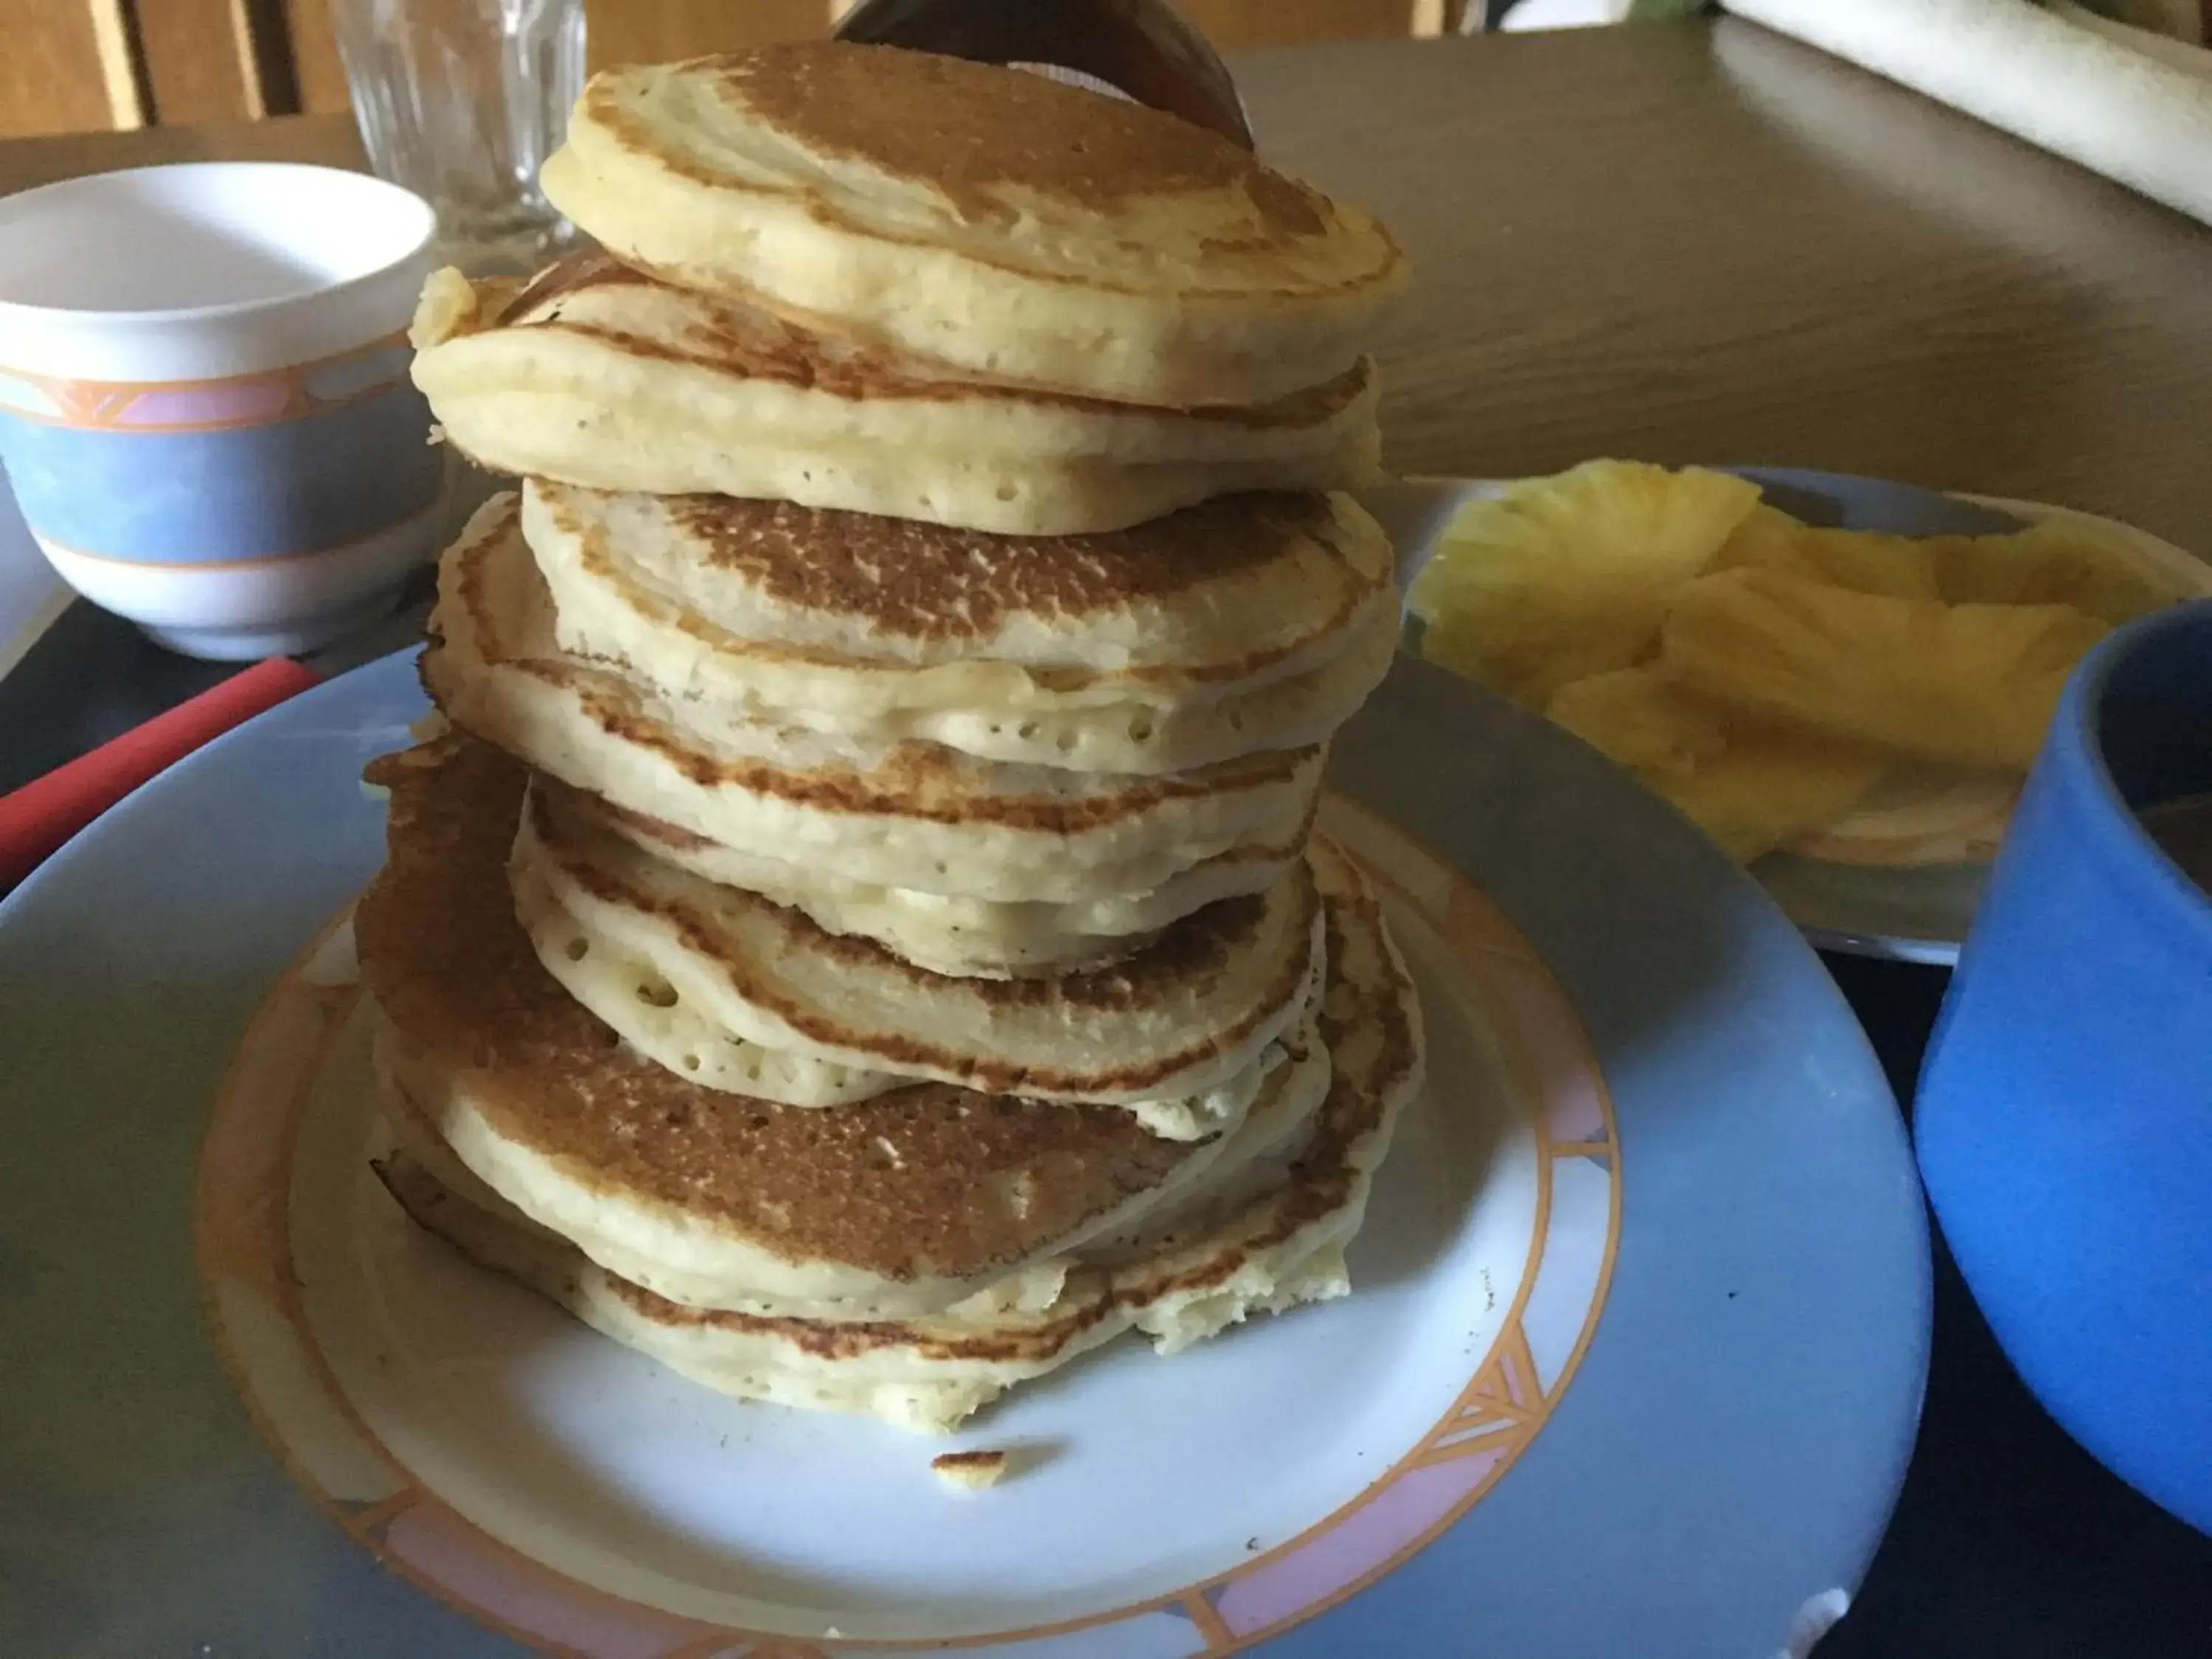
x=861, y=938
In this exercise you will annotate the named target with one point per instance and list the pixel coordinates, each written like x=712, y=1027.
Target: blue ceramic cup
x=2065, y=1112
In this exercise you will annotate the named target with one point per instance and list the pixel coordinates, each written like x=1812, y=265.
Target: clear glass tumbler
x=460, y=100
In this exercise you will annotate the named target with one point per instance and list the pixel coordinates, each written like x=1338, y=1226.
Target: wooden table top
x=1695, y=242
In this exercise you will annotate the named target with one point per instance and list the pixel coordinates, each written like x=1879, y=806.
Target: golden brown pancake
x=733, y=337
x=1182, y=1016
x=823, y=630
x=596, y=376
x=948, y=935
x=993, y=220
x=915, y=1197
x=1228, y=595
x=908, y=814
x=1264, y=1250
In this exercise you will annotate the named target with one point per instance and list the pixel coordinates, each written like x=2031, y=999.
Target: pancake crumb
x=970, y=1471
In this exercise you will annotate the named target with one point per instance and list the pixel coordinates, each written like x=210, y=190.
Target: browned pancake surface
x=927, y=1180
x=932, y=584
x=1365, y=1024
x=913, y=780
x=928, y=581
x=972, y=131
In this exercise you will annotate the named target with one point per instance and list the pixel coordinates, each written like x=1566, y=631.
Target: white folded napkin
x=2133, y=107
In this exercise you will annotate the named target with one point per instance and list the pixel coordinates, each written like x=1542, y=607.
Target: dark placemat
x=90, y=677
x=2009, y=1540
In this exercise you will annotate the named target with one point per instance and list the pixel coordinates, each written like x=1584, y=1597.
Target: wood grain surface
x=1706, y=242
x=1698, y=242
x=200, y=59
x=66, y=65
x=318, y=77
x=70, y=66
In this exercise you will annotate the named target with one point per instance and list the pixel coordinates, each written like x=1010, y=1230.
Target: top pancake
x=977, y=216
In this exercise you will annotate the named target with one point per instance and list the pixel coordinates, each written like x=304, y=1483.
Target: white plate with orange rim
x=1634, y=1363
x=1900, y=876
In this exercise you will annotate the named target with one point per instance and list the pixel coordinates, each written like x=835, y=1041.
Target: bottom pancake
x=1207, y=1267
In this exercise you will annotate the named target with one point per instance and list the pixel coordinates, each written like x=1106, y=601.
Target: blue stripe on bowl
x=222, y=497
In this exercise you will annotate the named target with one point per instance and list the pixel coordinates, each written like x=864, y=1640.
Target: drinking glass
x=460, y=101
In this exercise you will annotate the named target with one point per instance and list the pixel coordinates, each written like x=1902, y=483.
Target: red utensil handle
x=43, y=813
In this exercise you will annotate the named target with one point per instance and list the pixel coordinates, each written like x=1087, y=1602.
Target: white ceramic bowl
x=204, y=407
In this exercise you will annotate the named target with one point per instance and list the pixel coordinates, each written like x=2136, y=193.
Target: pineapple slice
x=1861, y=559
x=1770, y=788
x=1639, y=718
x=1972, y=684
x=1566, y=577
x=1751, y=789
x=1764, y=674
x=2051, y=562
